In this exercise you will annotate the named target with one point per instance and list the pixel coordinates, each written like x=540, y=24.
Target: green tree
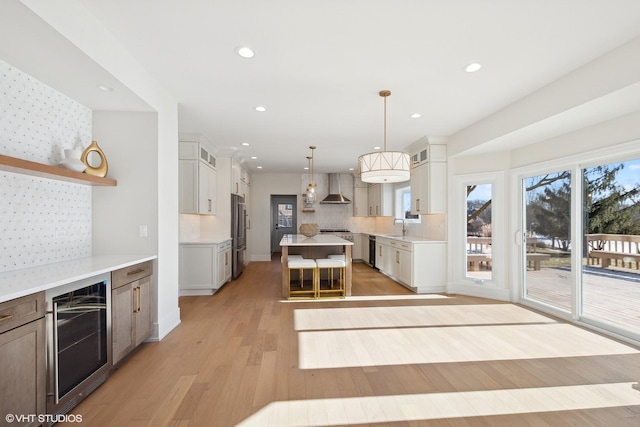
x=612, y=208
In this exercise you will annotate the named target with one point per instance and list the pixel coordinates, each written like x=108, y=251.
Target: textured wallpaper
x=41, y=220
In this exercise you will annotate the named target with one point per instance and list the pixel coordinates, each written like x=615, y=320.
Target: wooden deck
x=609, y=295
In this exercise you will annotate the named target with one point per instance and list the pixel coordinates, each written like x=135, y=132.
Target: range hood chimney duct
x=335, y=193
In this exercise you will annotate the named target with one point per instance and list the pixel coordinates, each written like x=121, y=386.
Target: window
x=403, y=205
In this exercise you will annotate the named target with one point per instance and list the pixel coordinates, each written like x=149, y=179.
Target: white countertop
x=19, y=283
x=205, y=241
x=410, y=239
x=317, y=240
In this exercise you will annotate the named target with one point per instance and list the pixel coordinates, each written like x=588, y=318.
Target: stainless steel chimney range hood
x=335, y=196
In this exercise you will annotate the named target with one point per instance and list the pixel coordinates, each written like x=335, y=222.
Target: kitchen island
x=309, y=247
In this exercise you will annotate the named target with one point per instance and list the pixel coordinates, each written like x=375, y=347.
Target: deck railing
x=608, y=249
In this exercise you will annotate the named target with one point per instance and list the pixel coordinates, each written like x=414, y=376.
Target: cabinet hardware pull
x=131, y=273
x=397, y=257
x=418, y=205
x=6, y=317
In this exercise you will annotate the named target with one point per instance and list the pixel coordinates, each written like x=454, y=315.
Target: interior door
x=283, y=219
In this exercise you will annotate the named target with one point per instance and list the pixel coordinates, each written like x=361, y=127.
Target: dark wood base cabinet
x=130, y=308
x=22, y=360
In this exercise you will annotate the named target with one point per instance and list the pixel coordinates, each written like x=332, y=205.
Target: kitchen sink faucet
x=404, y=229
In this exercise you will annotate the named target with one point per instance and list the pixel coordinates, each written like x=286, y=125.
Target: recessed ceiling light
x=246, y=144
x=473, y=67
x=245, y=52
x=259, y=167
x=416, y=115
x=105, y=88
x=254, y=158
x=351, y=169
x=261, y=109
x=376, y=148
x=306, y=168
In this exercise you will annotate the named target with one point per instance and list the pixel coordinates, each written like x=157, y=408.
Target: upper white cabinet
x=380, y=200
x=360, y=198
x=197, y=175
x=428, y=180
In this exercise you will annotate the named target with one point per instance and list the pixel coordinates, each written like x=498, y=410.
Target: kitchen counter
x=319, y=240
x=409, y=239
x=27, y=281
x=207, y=241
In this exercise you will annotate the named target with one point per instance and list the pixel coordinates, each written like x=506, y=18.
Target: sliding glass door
x=611, y=253
x=546, y=245
x=581, y=244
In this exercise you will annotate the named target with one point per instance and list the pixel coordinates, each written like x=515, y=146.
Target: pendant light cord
x=385, y=94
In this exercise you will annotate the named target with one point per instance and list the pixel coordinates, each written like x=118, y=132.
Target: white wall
x=130, y=143
x=73, y=21
x=264, y=185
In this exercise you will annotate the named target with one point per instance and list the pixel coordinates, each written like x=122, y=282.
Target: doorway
x=284, y=219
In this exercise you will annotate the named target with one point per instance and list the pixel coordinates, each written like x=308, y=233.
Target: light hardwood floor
x=382, y=357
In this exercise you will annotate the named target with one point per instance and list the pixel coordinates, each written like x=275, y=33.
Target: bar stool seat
x=335, y=256
x=302, y=264
x=330, y=264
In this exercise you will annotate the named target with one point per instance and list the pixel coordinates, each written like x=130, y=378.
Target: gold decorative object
x=309, y=230
x=102, y=169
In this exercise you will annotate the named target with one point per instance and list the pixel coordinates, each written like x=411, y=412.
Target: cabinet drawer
x=401, y=245
x=130, y=274
x=224, y=246
x=20, y=311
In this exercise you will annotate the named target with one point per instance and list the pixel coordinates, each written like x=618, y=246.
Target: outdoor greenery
x=610, y=208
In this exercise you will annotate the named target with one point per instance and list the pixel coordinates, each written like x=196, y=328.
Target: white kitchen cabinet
x=380, y=200
x=356, y=250
x=130, y=308
x=223, y=250
x=401, y=260
x=202, y=267
x=428, y=188
x=361, y=201
x=236, y=174
x=418, y=265
x=197, y=177
x=364, y=242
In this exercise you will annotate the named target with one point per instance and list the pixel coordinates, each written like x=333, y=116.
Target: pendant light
x=310, y=194
x=385, y=166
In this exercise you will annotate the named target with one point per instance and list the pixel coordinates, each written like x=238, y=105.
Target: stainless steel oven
x=78, y=341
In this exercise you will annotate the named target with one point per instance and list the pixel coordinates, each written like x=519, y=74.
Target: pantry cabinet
x=130, y=308
x=197, y=177
x=22, y=352
x=428, y=181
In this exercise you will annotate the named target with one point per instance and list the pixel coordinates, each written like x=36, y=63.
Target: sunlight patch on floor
x=429, y=406
x=400, y=346
x=404, y=316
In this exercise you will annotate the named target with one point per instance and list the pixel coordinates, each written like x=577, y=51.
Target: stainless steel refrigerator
x=238, y=234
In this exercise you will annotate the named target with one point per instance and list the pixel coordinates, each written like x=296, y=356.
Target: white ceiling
x=319, y=65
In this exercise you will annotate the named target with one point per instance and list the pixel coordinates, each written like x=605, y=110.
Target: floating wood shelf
x=13, y=164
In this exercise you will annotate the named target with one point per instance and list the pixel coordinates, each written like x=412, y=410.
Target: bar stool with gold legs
x=330, y=264
x=299, y=290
